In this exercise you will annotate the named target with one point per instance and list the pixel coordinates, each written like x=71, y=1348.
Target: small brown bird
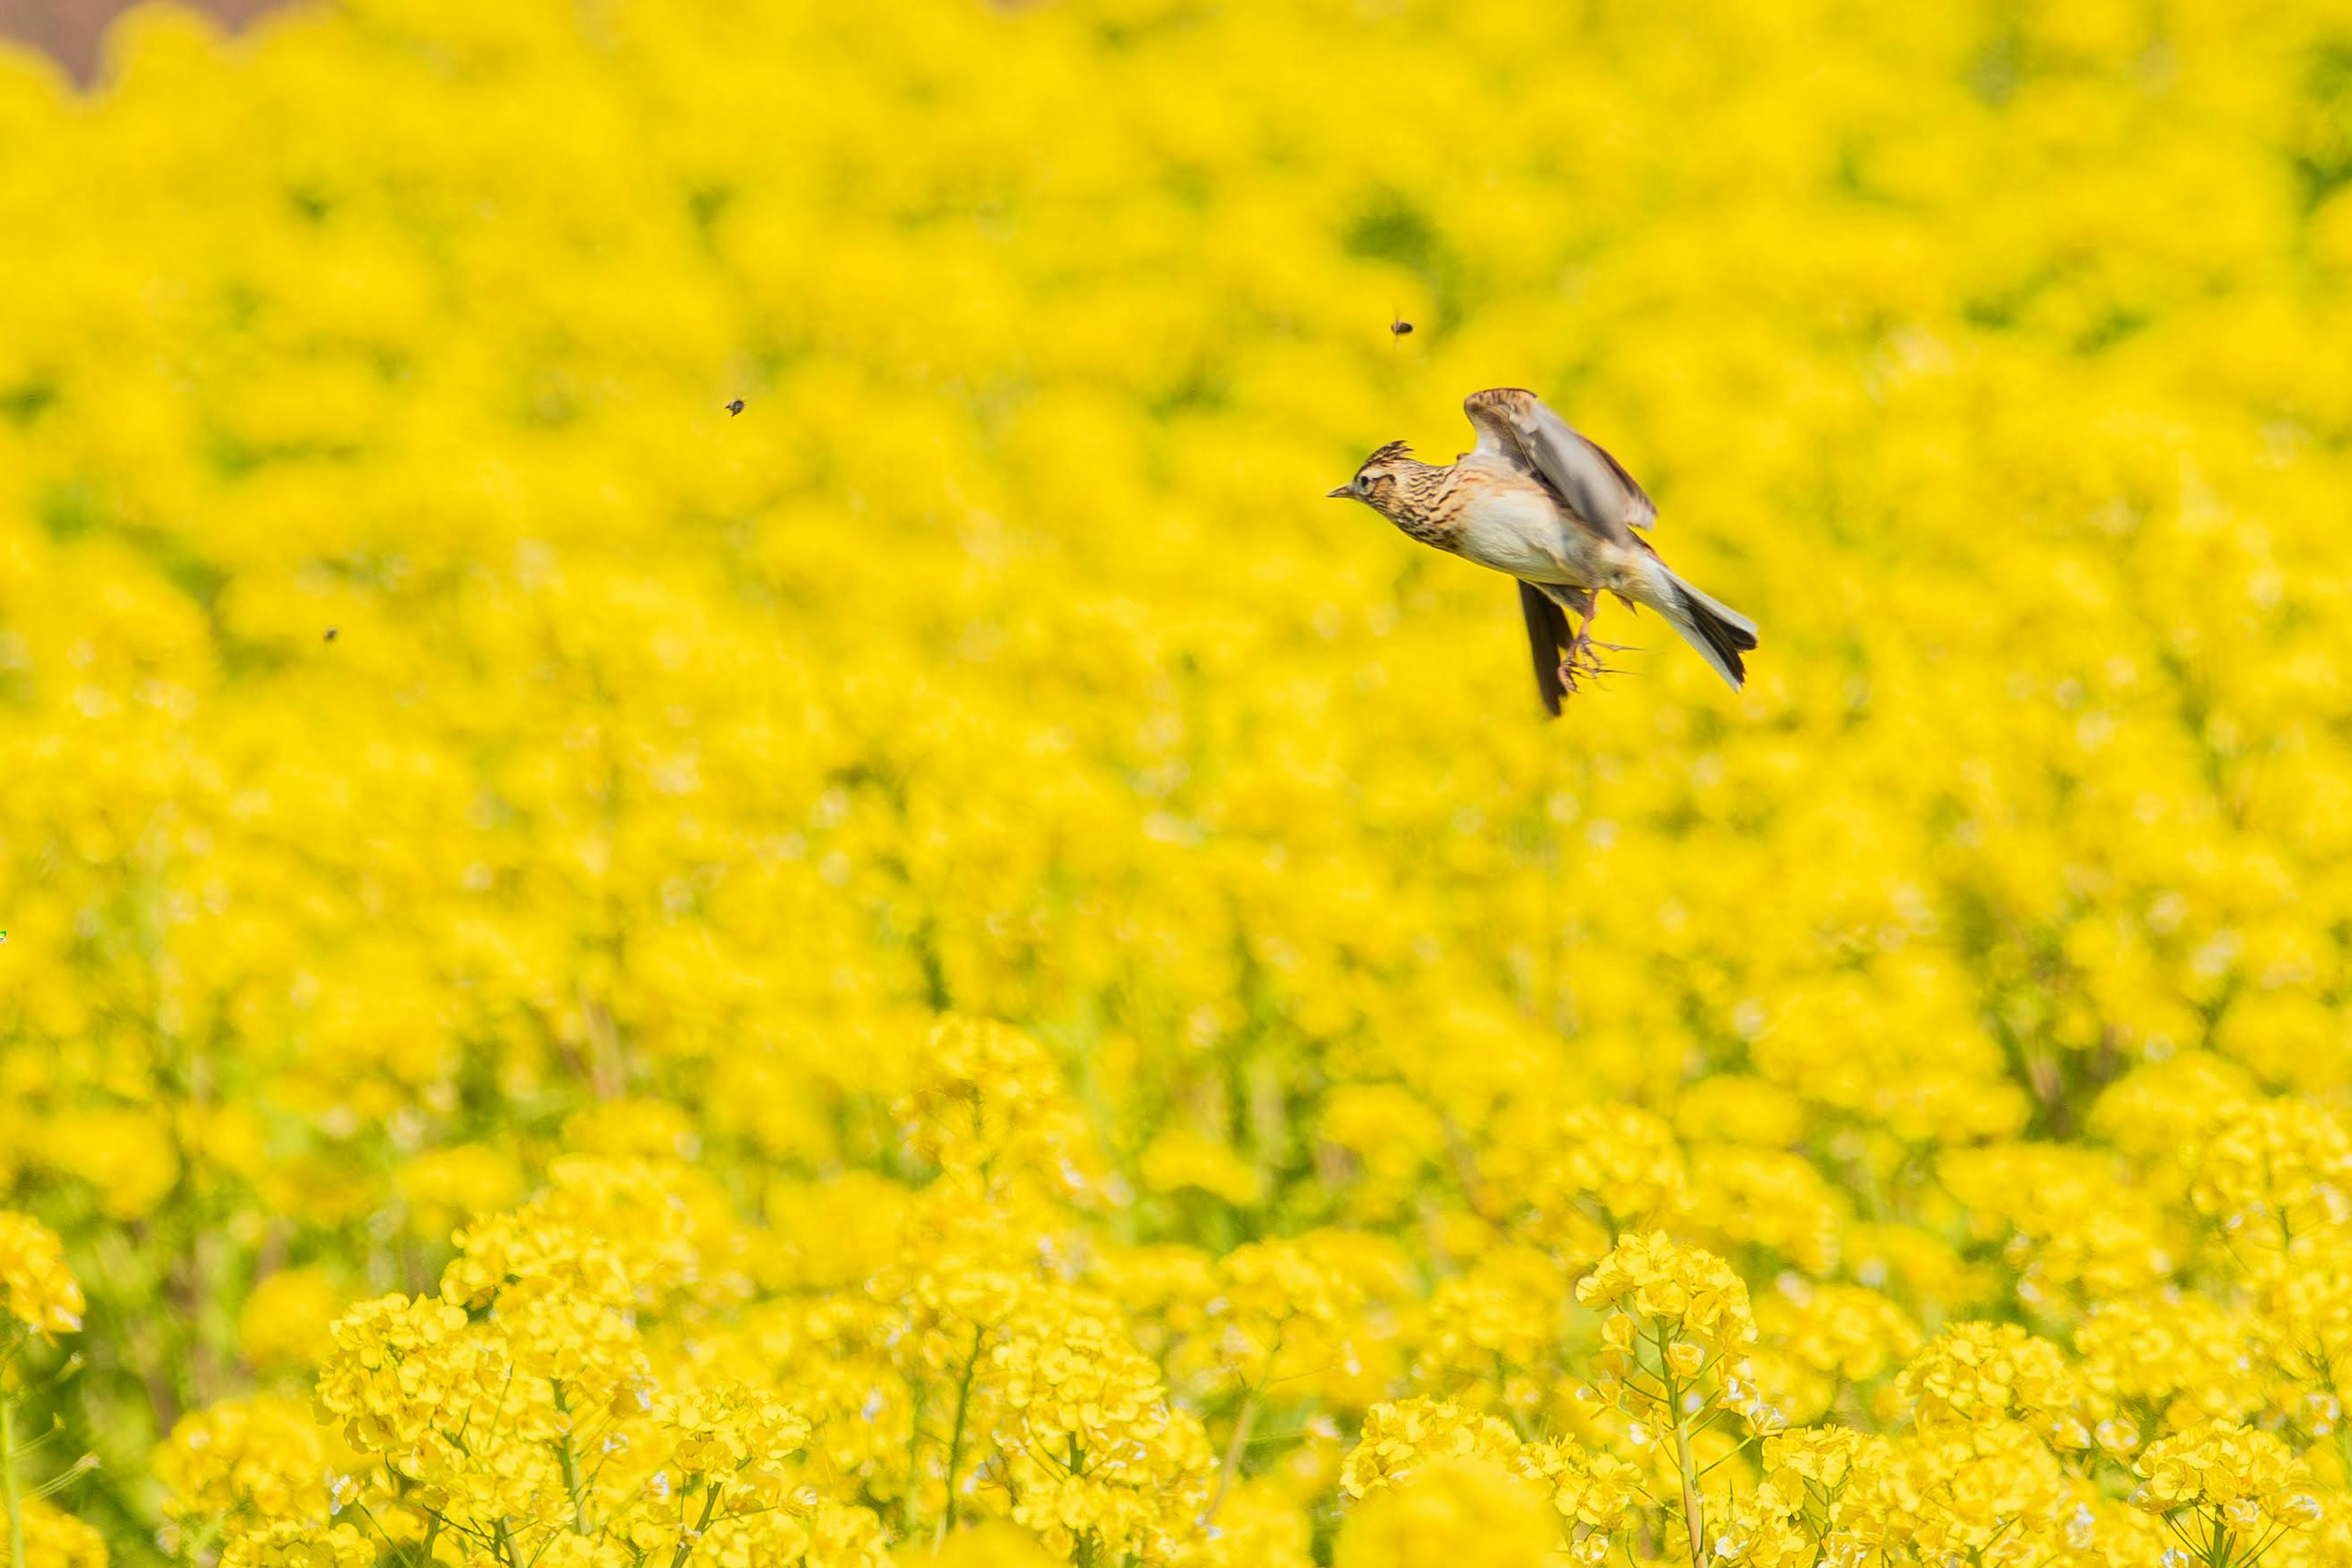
x=734, y=407
x=1541, y=502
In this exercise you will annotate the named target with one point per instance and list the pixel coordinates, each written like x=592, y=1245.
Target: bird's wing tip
x=1513, y=398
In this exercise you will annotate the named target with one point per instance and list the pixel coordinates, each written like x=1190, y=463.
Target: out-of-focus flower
x=1457, y=1511
x=42, y=1292
x=55, y=1539
x=446, y=1187
x=247, y=1464
x=287, y=1322
x=1181, y=1159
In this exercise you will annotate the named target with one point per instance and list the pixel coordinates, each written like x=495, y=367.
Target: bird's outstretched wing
x=1515, y=421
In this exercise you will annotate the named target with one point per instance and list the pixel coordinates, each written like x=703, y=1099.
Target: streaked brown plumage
x=1541, y=502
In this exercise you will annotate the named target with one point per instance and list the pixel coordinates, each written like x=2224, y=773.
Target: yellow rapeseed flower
x=42, y=1292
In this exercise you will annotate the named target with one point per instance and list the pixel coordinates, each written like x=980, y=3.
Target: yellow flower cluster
x=1424, y=1447
x=40, y=1291
x=1976, y=1372
x=956, y=964
x=530, y=1427
x=1395, y=1438
x=1090, y=1453
x=40, y=1298
x=244, y=1464
x=55, y=1539
x=2225, y=1491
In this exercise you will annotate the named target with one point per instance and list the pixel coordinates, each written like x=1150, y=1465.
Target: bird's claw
x=1570, y=670
x=1584, y=645
x=1584, y=659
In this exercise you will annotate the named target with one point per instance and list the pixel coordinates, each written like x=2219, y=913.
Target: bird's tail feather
x=1546, y=636
x=1720, y=632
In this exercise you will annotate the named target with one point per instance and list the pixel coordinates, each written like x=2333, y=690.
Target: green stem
x=1234, y=1449
x=431, y=1533
x=910, y=1507
x=1693, y=1520
x=1089, y=1544
x=8, y=1481
x=571, y=1469
x=1693, y=1516
x=955, y=1434
x=709, y=1506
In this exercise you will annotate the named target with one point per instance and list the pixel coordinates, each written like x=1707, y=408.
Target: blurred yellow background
x=438, y=737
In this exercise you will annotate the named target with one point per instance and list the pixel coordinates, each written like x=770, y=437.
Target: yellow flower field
x=959, y=967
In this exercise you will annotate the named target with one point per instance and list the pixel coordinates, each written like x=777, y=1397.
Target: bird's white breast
x=1516, y=529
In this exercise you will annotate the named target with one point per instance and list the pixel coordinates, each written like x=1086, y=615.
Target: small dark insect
x=331, y=634
x=1399, y=326
x=734, y=408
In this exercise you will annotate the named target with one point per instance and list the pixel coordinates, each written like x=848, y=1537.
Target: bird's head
x=1375, y=483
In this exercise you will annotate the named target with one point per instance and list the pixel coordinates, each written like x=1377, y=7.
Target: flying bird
x=1537, y=500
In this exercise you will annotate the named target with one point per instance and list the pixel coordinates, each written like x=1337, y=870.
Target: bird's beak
x=1342, y=493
